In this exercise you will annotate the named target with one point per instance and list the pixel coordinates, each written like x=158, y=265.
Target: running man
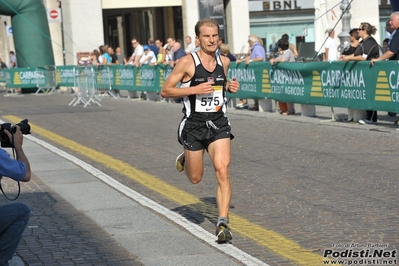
x=205, y=125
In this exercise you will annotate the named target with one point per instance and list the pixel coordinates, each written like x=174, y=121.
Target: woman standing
x=367, y=49
x=286, y=55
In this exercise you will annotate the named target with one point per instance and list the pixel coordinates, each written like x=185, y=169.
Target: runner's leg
x=219, y=151
x=194, y=165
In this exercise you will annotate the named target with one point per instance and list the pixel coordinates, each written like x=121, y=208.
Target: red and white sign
x=54, y=14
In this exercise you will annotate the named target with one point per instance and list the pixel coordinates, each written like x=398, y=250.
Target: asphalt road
x=301, y=185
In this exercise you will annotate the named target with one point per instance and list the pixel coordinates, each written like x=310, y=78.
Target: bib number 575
x=207, y=101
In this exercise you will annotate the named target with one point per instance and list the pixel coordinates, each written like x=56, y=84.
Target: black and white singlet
x=206, y=106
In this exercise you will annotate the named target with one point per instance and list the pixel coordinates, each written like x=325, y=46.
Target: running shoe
x=223, y=233
x=180, y=162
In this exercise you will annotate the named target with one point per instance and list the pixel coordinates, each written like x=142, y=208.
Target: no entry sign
x=54, y=15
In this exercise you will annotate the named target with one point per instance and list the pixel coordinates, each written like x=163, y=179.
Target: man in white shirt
x=331, y=47
x=134, y=60
x=190, y=45
x=149, y=57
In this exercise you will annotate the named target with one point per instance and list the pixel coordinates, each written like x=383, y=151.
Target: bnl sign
x=280, y=5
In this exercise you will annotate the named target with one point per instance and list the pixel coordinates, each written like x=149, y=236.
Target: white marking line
x=194, y=229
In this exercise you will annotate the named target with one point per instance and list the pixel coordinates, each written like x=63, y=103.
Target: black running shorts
x=197, y=135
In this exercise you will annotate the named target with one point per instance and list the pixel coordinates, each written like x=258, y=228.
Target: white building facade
x=87, y=24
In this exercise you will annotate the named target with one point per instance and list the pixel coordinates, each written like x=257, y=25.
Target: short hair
x=354, y=33
x=12, y=52
x=253, y=38
x=207, y=22
x=224, y=48
x=285, y=36
x=386, y=40
x=151, y=40
x=283, y=44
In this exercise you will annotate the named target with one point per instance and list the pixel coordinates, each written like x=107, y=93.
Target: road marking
x=279, y=244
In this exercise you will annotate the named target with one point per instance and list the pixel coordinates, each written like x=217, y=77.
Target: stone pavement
x=252, y=192
x=77, y=219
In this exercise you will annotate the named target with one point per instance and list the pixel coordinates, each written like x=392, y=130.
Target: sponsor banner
x=124, y=77
x=147, y=78
x=355, y=85
x=65, y=76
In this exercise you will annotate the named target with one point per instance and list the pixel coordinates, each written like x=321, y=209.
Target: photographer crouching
x=14, y=217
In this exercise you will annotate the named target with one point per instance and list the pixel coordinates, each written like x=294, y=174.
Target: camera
x=23, y=126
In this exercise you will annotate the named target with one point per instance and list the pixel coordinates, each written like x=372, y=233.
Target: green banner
x=65, y=76
x=355, y=84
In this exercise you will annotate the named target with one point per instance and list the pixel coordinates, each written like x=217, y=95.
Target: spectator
x=392, y=52
x=257, y=54
x=14, y=217
x=220, y=42
x=388, y=29
x=2, y=64
x=161, y=52
x=114, y=57
x=354, y=38
x=286, y=55
x=168, y=56
x=94, y=57
x=171, y=41
x=106, y=57
x=331, y=47
x=149, y=57
x=178, y=53
x=368, y=49
x=389, y=32
x=13, y=60
x=120, y=55
x=197, y=45
x=134, y=60
x=292, y=46
x=101, y=51
x=385, y=43
x=190, y=45
x=225, y=51
x=153, y=46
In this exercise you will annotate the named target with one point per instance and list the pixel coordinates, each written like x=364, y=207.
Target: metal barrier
x=84, y=86
x=47, y=83
x=2, y=78
x=104, y=77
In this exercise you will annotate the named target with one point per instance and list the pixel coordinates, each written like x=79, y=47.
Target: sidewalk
x=81, y=216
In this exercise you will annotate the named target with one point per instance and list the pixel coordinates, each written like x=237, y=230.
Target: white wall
x=190, y=18
x=237, y=20
x=83, y=27
x=55, y=33
x=6, y=41
x=115, y=4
